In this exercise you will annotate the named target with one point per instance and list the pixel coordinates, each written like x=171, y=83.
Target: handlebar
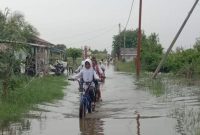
x=71, y=79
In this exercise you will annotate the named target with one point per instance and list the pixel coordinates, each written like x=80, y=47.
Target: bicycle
x=85, y=98
x=97, y=89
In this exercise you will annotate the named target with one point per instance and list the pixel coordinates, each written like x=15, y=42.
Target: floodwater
x=126, y=109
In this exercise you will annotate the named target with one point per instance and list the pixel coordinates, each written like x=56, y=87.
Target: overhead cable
x=129, y=15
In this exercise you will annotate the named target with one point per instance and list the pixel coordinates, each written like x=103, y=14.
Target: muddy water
x=126, y=109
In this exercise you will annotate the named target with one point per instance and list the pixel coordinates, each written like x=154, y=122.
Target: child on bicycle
x=87, y=74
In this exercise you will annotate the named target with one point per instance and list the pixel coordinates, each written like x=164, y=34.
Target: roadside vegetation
x=125, y=66
x=18, y=92
x=28, y=92
x=181, y=62
x=13, y=28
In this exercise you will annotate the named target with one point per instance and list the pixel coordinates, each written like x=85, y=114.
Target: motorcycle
x=58, y=69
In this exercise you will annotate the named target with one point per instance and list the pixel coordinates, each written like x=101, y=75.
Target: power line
x=89, y=32
x=129, y=15
x=127, y=24
x=92, y=38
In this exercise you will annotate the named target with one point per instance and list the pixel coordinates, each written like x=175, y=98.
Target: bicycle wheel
x=89, y=107
x=82, y=110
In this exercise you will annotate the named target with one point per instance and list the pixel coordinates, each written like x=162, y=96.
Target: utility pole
x=138, y=59
x=119, y=28
x=174, y=40
x=118, y=54
x=124, y=38
x=124, y=42
x=85, y=52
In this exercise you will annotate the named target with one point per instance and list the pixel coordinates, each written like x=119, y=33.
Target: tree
x=13, y=27
x=151, y=52
x=151, y=48
x=130, y=41
x=197, y=45
x=105, y=51
x=74, y=53
x=95, y=51
x=61, y=47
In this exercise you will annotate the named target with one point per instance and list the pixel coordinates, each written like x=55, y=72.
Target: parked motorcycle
x=58, y=69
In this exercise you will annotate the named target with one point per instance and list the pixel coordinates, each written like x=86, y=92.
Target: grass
x=23, y=98
x=155, y=86
x=125, y=66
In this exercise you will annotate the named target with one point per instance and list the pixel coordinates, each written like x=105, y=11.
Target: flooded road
x=126, y=109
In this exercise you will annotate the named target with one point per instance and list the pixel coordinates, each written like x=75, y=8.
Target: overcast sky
x=76, y=23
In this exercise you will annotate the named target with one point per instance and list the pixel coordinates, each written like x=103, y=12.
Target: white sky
x=76, y=23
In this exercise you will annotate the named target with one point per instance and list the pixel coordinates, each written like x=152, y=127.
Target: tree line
x=181, y=61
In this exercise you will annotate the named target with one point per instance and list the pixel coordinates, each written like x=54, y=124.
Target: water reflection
x=7, y=128
x=164, y=107
x=188, y=120
x=91, y=126
x=138, y=124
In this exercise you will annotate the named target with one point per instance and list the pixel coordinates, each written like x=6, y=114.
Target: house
x=40, y=54
x=37, y=58
x=128, y=54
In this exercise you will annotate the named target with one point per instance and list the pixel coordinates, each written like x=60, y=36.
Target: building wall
x=20, y=55
x=128, y=58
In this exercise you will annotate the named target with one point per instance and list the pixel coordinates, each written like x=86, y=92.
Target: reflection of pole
x=138, y=63
x=174, y=40
x=138, y=124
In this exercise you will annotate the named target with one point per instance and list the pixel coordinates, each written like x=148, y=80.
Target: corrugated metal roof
x=35, y=41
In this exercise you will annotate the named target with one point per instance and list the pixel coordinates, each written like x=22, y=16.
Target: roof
x=35, y=41
x=39, y=41
x=128, y=51
x=56, y=50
